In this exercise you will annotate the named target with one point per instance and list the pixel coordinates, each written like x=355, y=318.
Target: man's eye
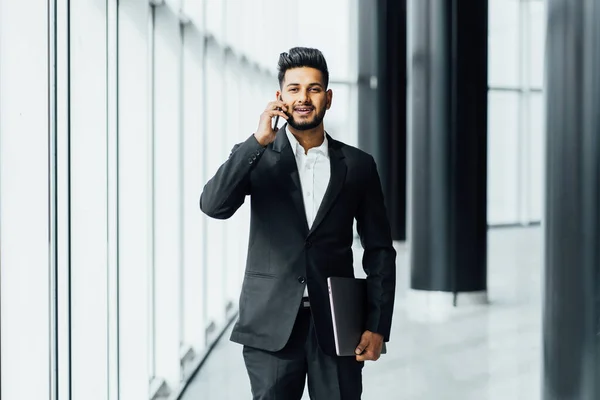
x=315, y=90
x=293, y=90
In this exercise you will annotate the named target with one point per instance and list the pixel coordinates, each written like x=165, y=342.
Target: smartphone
x=277, y=117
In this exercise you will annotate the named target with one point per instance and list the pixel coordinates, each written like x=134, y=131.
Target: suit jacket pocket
x=257, y=274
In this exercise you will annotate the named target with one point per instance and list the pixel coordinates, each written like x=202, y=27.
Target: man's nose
x=303, y=97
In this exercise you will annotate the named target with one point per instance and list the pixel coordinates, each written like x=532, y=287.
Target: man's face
x=304, y=92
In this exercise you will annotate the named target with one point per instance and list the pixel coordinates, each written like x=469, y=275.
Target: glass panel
x=175, y=5
x=250, y=33
x=503, y=43
x=216, y=246
x=194, y=9
x=288, y=16
x=267, y=48
x=135, y=199
x=214, y=18
x=536, y=136
x=167, y=197
x=193, y=179
x=252, y=102
x=332, y=38
x=339, y=121
x=89, y=208
x=24, y=218
x=238, y=225
x=503, y=152
x=234, y=34
x=537, y=26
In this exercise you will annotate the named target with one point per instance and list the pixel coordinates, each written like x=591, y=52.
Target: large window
x=136, y=356
x=25, y=254
x=90, y=238
x=194, y=245
x=515, y=149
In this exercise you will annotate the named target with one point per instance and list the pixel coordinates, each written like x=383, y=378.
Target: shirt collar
x=297, y=147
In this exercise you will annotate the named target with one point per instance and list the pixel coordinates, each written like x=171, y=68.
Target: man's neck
x=309, y=138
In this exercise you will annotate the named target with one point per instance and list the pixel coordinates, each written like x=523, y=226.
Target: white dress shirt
x=314, y=170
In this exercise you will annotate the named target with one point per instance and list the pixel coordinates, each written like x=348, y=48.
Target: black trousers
x=281, y=375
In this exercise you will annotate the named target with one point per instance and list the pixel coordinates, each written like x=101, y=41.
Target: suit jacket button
x=302, y=279
x=307, y=244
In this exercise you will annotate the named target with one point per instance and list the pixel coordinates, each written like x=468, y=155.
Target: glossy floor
x=475, y=352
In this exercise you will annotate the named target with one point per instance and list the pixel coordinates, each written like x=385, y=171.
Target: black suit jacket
x=284, y=255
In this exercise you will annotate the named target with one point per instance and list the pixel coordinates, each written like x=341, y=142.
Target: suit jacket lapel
x=336, y=182
x=287, y=171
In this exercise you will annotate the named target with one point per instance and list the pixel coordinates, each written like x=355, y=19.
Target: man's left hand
x=369, y=347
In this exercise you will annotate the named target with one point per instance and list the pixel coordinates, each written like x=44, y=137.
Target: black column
x=572, y=218
x=382, y=100
x=448, y=144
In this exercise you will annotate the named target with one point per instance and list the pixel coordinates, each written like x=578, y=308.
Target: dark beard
x=305, y=126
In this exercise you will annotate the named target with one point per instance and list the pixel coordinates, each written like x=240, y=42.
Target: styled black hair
x=302, y=57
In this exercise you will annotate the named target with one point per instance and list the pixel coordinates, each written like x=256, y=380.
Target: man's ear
x=278, y=95
x=329, y=98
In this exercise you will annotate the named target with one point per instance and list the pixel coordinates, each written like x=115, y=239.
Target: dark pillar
x=448, y=145
x=382, y=99
x=572, y=220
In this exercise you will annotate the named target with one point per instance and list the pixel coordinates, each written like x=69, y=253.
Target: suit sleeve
x=225, y=192
x=379, y=259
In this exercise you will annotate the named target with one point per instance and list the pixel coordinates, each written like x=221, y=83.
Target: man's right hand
x=265, y=134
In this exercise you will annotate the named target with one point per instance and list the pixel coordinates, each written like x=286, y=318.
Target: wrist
x=260, y=140
x=379, y=335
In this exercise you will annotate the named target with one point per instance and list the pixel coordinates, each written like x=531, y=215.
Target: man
x=306, y=190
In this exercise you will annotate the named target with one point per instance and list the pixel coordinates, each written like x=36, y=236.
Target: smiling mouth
x=303, y=110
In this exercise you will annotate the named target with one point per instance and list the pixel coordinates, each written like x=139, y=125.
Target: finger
x=270, y=114
x=374, y=355
x=280, y=105
x=366, y=356
x=275, y=113
x=271, y=106
x=283, y=106
x=276, y=105
x=361, y=346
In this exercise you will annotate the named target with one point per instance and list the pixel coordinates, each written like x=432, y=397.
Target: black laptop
x=348, y=302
